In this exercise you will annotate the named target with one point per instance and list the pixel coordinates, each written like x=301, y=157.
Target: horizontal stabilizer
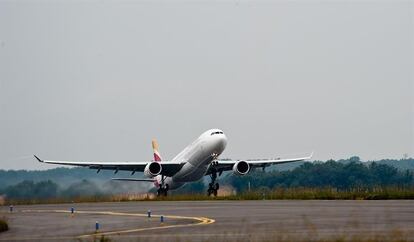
x=132, y=179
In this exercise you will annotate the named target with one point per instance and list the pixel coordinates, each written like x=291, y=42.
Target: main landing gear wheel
x=163, y=190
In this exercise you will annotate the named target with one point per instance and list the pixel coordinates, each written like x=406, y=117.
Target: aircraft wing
x=169, y=168
x=226, y=165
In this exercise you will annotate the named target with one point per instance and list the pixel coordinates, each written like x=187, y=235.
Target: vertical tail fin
x=157, y=156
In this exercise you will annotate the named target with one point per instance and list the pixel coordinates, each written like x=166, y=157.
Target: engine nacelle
x=241, y=168
x=152, y=169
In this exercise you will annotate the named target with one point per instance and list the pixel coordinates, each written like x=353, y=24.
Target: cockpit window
x=217, y=132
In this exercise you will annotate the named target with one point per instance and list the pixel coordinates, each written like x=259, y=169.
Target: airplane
x=197, y=160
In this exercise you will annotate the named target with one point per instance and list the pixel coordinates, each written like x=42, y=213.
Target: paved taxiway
x=211, y=220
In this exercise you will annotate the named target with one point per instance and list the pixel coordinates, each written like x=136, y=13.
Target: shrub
x=3, y=225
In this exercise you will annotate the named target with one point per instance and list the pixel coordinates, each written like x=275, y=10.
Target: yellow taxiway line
x=200, y=221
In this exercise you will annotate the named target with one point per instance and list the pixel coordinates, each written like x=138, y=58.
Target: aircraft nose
x=222, y=142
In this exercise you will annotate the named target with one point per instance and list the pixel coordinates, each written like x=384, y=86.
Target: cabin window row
x=218, y=132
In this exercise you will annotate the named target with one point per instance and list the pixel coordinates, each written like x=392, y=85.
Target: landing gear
x=163, y=189
x=213, y=189
x=213, y=186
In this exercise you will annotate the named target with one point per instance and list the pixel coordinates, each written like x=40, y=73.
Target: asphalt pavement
x=264, y=220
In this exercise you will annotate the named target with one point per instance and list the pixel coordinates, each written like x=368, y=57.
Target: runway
x=211, y=220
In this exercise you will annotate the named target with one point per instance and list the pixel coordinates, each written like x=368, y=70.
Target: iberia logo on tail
x=157, y=156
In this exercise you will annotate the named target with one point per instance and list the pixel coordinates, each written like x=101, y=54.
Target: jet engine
x=152, y=169
x=241, y=168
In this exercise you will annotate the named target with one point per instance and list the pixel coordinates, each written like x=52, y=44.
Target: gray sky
x=97, y=80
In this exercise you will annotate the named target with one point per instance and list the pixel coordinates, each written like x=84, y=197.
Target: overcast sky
x=97, y=80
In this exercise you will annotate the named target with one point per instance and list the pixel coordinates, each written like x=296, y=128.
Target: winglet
x=311, y=155
x=38, y=159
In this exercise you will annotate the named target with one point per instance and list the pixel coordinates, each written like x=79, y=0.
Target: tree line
x=341, y=175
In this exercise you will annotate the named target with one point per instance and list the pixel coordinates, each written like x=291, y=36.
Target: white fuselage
x=196, y=158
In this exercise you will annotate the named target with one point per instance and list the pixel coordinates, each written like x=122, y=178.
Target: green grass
x=333, y=194
x=83, y=199
x=377, y=193
x=3, y=225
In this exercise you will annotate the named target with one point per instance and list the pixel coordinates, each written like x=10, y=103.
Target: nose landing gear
x=213, y=186
x=212, y=189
